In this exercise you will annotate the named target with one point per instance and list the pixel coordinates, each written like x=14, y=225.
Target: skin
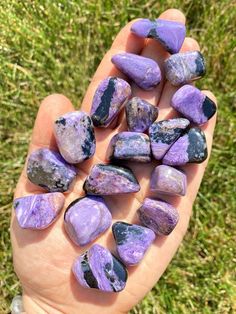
x=43, y=259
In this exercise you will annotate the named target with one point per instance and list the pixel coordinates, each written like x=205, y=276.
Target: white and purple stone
x=131, y=146
x=168, y=180
x=47, y=168
x=38, y=211
x=145, y=72
x=189, y=148
x=109, y=98
x=98, y=268
x=184, y=67
x=110, y=180
x=169, y=34
x=164, y=133
x=132, y=241
x=140, y=114
x=86, y=218
x=75, y=137
x=159, y=216
x=193, y=104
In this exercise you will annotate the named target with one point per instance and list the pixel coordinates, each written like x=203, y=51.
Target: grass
x=55, y=46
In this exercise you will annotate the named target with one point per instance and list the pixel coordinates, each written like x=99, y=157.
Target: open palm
x=43, y=259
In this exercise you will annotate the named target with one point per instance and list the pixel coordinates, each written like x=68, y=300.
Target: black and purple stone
x=140, y=114
x=97, y=268
x=47, y=169
x=189, y=148
x=132, y=241
x=164, y=133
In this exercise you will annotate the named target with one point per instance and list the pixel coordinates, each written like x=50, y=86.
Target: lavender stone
x=130, y=146
x=164, y=133
x=110, y=180
x=168, y=180
x=191, y=147
x=132, y=241
x=75, y=136
x=184, y=67
x=98, y=268
x=193, y=104
x=140, y=114
x=38, y=211
x=158, y=215
x=169, y=34
x=143, y=71
x=86, y=218
x=49, y=170
x=110, y=96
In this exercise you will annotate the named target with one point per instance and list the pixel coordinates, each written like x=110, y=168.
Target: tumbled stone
x=164, y=133
x=86, y=218
x=193, y=104
x=169, y=34
x=130, y=146
x=158, y=215
x=75, y=138
x=189, y=148
x=110, y=180
x=184, y=67
x=98, y=268
x=140, y=114
x=132, y=241
x=109, y=98
x=38, y=211
x=145, y=72
x=49, y=170
x=168, y=180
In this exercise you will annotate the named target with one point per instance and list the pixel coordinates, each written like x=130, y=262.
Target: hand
x=43, y=259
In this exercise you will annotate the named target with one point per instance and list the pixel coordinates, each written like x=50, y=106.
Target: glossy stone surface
x=168, y=180
x=158, y=215
x=140, y=114
x=132, y=241
x=130, y=146
x=86, y=218
x=98, y=268
x=110, y=180
x=185, y=67
x=109, y=98
x=38, y=211
x=75, y=138
x=193, y=104
x=145, y=72
x=189, y=148
x=164, y=133
x=49, y=170
x=169, y=34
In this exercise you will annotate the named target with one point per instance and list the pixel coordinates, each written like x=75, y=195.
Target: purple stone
x=145, y=72
x=109, y=98
x=75, y=136
x=38, y=211
x=140, y=114
x=49, y=170
x=193, y=104
x=98, y=268
x=164, y=133
x=169, y=34
x=189, y=148
x=86, y=218
x=132, y=241
x=130, y=146
x=185, y=67
x=110, y=180
x=168, y=180
x=158, y=215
